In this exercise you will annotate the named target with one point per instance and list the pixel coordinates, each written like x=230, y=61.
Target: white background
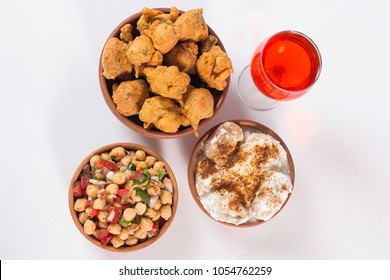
x=52, y=115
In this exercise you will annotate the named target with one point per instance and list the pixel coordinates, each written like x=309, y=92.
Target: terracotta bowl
x=193, y=161
x=162, y=229
x=133, y=122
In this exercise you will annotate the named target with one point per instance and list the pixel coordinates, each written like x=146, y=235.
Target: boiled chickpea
x=149, y=161
x=80, y=205
x=102, y=216
x=112, y=188
x=88, y=210
x=166, y=212
x=158, y=165
x=166, y=197
x=140, y=234
x=117, y=153
x=92, y=191
x=157, y=205
x=152, y=172
x=140, y=155
x=153, y=190
x=99, y=204
x=94, y=160
x=157, y=216
x=131, y=240
x=117, y=242
x=150, y=213
x=102, y=224
x=114, y=229
x=89, y=227
x=132, y=228
x=140, y=208
x=83, y=217
x=119, y=178
x=126, y=160
x=146, y=224
x=129, y=214
x=105, y=156
x=124, y=234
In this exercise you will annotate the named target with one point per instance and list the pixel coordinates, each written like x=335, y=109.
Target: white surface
x=53, y=114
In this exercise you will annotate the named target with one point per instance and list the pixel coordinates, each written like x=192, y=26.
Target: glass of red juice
x=283, y=67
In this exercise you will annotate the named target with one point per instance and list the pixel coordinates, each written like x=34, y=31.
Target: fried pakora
x=163, y=113
x=139, y=52
x=156, y=60
x=214, y=67
x=184, y=56
x=208, y=43
x=150, y=15
x=114, y=60
x=198, y=104
x=190, y=26
x=126, y=33
x=163, y=35
x=129, y=96
x=167, y=81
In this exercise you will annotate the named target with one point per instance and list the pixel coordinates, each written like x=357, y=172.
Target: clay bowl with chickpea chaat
x=123, y=197
x=164, y=73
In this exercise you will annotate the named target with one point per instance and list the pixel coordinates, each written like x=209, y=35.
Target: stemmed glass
x=283, y=67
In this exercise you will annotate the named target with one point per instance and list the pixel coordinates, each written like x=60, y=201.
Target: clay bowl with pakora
x=123, y=197
x=241, y=173
x=152, y=113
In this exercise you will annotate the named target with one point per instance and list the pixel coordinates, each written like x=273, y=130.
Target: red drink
x=286, y=65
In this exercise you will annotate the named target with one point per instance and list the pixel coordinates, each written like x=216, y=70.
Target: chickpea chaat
x=123, y=197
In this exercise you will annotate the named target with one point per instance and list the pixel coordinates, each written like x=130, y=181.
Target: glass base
x=250, y=95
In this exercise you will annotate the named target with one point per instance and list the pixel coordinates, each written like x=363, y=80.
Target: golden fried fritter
x=209, y=42
x=146, y=19
x=163, y=113
x=190, y=26
x=126, y=33
x=163, y=35
x=114, y=60
x=129, y=96
x=149, y=16
x=198, y=104
x=156, y=60
x=214, y=67
x=139, y=52
x=172, y=16
x=167, y=81
x=184, y=56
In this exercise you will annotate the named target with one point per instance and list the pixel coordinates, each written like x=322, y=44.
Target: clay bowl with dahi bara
x=241, y=173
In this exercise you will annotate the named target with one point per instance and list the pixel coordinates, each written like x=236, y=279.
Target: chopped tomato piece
x=89, y=203
x=105, y=240
x=123, y=192
x=77, y=190
x=123, y=195
x=113, y=215
x=102, y=233
x=154, y=226
x=125, y=206
x=84, y=181
x=138, y=175
x=93, y=213
x=102, y=163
